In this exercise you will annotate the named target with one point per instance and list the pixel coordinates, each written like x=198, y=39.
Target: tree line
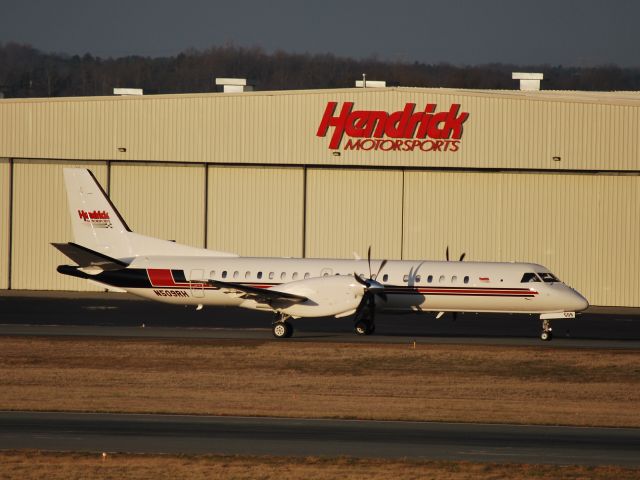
x=28, y=72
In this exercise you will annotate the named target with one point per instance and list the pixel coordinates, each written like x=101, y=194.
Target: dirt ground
x=34, y=464
x=465, y=383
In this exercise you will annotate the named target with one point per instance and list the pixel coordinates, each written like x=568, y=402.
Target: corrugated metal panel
x=41, y=216
x=583, y=227
x=349, y=210
x=4, y=222
x=160, y=200
x=256, y=211
x=504, y=129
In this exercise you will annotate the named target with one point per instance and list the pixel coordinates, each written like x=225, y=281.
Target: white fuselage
x=410, y=285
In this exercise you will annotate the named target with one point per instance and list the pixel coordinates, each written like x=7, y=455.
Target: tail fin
x=96, y=222
x=98, y=226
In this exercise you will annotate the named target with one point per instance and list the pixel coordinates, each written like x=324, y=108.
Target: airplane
x=110, y=255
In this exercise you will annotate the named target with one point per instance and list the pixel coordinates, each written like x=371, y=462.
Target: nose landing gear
x=547, y=332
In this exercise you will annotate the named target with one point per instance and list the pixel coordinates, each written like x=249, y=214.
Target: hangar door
x=348, y=210
x=161, y=200
x=40, y=216
x=255, y=211
x=583, y=227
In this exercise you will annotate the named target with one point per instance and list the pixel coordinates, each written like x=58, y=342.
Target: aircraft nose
x=578, y=301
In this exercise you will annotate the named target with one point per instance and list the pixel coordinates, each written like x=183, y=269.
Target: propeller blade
x=462, y=256
x=369, y=260
x=360, y=280
x=447, y=253
x=384, y=262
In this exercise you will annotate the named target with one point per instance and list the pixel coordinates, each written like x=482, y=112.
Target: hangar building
x=542, y=176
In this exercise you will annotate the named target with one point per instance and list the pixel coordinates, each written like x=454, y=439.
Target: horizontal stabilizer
x=86, y=257
x=262, y=295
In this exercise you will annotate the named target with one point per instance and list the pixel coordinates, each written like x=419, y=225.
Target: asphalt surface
x=175, y=434
x=121, y=315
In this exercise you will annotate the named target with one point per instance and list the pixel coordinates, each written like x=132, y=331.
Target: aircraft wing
x=261, y=295
x=86, y=257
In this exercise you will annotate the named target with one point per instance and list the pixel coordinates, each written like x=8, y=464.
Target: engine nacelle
x=335, y=295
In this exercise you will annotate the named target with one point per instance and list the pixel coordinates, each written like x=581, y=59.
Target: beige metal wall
x=40, y=216
x=161, y=200
x=4, y=222
x=348, y=210
x=256, y=211
x=583, y=227
x=505, y=129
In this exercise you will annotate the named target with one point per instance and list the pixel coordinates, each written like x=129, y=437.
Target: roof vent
x=234, y=85
x=364, y=83
x=371, y=83
x=528, y=81
x=128, y=91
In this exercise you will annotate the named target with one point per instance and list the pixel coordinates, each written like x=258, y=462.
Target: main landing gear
x=364, y=326
x=280, y=327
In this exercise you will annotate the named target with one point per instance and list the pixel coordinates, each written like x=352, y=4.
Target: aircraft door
x=196, y=283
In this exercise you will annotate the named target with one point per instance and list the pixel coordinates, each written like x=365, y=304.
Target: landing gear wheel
x=282, y=330
x=362, y=327
x=546, y=336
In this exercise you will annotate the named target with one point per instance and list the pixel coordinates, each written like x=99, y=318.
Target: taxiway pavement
x=175, y=434
x=121, y=315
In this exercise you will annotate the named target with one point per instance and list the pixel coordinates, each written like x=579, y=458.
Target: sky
x=460, y=32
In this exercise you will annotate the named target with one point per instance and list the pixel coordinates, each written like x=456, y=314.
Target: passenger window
x=466, y=279
x=529, y=277
x=283, y=275
x=224, y=274
x=454, y=279
x=259, y=275
x=247, y=274
x=236, y=274
x=294, y=276
x=212, y=274
x=271, y=275
x=418, y=278
x=306, y=275
x=405, y=278
x=385, y=277
x=441, y=279
x=430, y=279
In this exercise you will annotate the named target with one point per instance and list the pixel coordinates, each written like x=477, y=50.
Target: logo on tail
x=97, y=218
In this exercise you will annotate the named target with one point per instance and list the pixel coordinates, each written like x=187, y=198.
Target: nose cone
x=578, y=302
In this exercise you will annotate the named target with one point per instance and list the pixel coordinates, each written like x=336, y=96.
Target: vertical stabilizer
x=98, y=226
x=95, y=221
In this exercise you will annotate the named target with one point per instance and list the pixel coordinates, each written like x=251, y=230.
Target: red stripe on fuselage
x=161, y=277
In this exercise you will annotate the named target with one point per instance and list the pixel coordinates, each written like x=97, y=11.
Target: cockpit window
x=529, y=277
x=548, y=277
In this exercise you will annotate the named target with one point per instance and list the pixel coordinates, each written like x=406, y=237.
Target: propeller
x=371, y=287
x=447, y=255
